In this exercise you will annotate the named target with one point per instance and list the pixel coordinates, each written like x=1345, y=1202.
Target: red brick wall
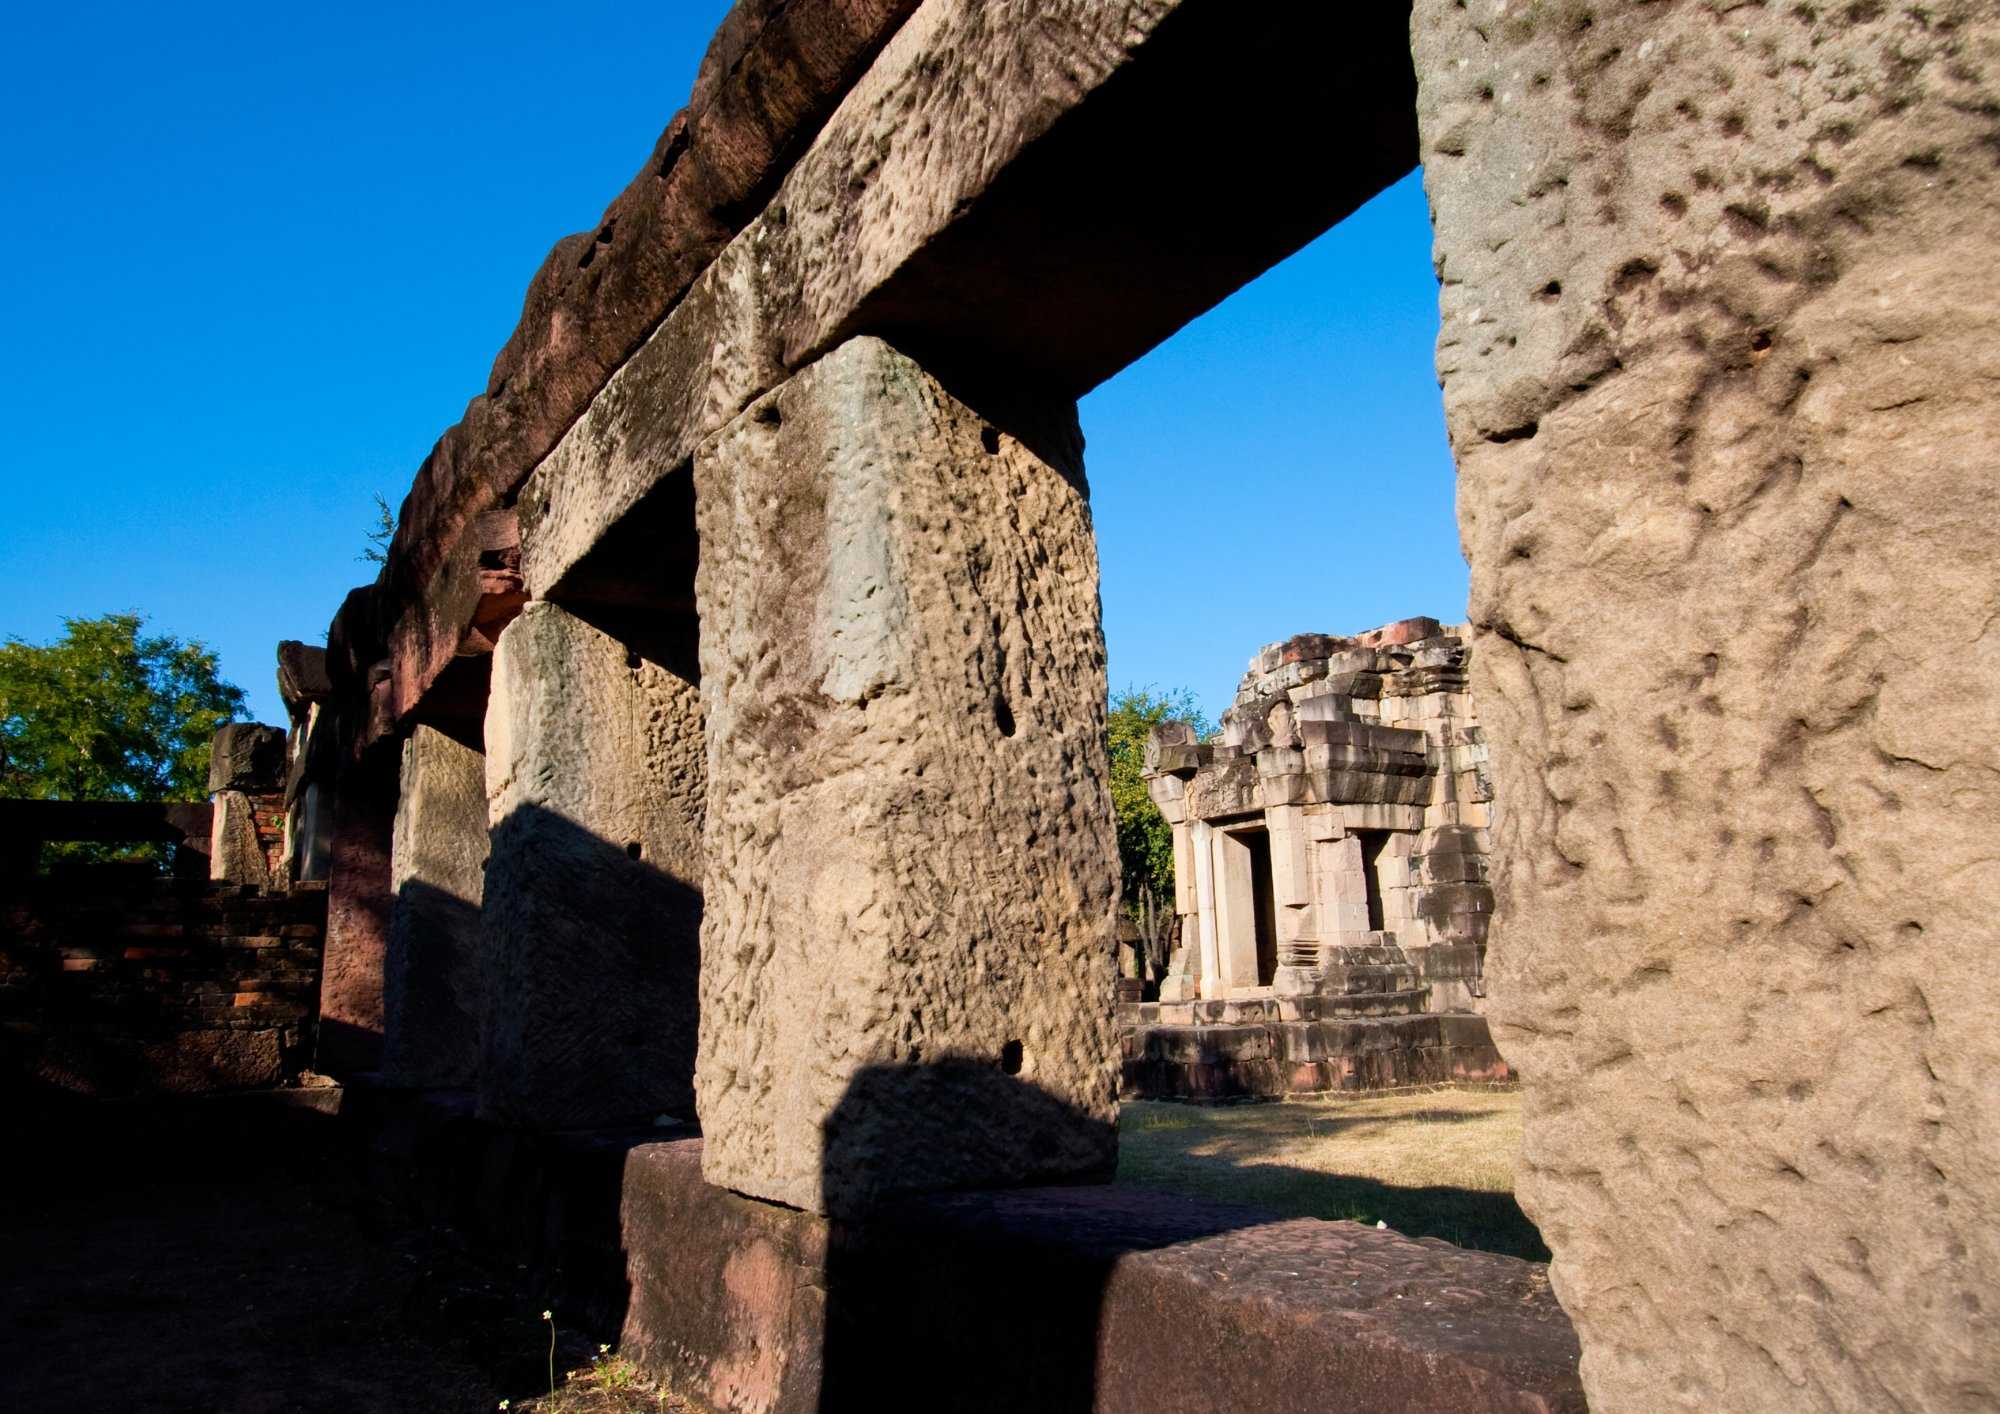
x=116, y=984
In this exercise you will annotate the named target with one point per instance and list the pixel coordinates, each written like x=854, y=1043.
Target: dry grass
x=609, y=1384
x=1434, y=1163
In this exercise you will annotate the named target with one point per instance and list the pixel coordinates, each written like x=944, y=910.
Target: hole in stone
x=768, y=415
x=1010, y=1058
x=1003, y=716
x=632, y=661
x=633, y=849
x=989, y=438
x=1552, y=290
x=1761, y=340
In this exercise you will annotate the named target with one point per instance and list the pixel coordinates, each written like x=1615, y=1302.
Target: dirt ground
x=146, y=1282
x=278, y=1291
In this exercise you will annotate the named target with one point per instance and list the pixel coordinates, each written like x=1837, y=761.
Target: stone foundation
x=1101, y=1298
x=1294, y=1046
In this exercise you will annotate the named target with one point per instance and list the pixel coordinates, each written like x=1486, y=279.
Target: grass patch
x=1432, y=1163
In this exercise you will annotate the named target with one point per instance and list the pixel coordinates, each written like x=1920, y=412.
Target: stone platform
x=1065, y=1298
x=1270, y=1048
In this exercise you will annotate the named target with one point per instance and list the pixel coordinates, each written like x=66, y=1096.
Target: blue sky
x=257, y=259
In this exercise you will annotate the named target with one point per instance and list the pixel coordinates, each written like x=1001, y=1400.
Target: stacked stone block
x=246, y=783
x=157, y=986
x=1355, y=766
x=1361, y=758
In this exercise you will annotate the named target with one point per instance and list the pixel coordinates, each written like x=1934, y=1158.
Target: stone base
x=1049, y=1299
x=1271, y=1048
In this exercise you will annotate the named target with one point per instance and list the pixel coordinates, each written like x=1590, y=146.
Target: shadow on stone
x=593, y=973
x=977, y=1300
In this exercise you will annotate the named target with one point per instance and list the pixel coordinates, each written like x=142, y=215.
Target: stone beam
x=1008, y=185
x=773, y=73
x=911, y=865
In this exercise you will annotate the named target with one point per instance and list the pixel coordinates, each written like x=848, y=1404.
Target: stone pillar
x=246, y=782
x=910, y=926
x=592, y=912
x=1209, y=977
x=432, y=982
x=359, y=900
x=1718, y=351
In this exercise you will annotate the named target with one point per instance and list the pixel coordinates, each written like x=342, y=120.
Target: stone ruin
x=1330, y=877
x=758, y=587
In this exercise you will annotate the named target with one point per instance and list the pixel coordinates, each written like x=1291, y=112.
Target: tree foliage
x=1145, y=840
x=109, y=713
x=376, y=551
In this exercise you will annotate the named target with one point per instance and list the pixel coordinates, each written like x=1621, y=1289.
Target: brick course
x=175, y=985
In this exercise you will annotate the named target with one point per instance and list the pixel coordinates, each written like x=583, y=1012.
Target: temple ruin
x=746, y=628
x=1330, y=877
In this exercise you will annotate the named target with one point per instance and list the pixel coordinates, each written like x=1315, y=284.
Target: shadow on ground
x=171, y=1270
x=1251, y=1154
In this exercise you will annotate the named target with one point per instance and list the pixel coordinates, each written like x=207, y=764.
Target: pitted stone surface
x=1720, y=355
x=593, y=893
x=909, y=842
x=432, y=984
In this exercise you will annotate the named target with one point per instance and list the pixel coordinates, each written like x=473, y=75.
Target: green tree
x=106, y=713
x=1145, y=840
x=376, y=551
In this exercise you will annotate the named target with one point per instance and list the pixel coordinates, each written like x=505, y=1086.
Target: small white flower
x=1382, y=1225
x=603, y=1350
x=547, y=1316
x=506, y=1403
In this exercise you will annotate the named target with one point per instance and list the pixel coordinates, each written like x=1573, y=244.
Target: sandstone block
x=592, y=910
x=432, y=986
x=910, y=846
x=246, y=756
x=235, y=854
x=1725, y=453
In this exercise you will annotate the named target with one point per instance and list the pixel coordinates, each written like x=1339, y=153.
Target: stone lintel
x=928, y=170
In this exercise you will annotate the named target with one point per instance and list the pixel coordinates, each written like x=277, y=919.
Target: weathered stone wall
x=1721, y=362
x=909, y=840
x=114, y=986
x=592, y=910
x=433, y=986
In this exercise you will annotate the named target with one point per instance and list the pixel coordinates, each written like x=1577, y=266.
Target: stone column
x=1721, y=324
x=1209, y=978
x=432, y=985
x=358, y=905
x=912, y=865
x=246, y=782
x=592, y=914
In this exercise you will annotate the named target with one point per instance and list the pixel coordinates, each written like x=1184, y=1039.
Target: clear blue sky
x=256, y=259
